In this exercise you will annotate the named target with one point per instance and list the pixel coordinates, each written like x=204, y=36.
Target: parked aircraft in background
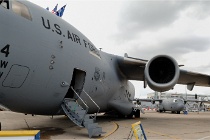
x=48, y=67
x=172, y=104
x=175, y=105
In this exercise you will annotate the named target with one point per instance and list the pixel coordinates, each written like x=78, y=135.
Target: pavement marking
x=27, y=124
x=113, y=130
x=204, y=138
x=161, y=134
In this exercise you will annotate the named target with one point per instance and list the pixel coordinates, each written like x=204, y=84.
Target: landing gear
x=136, y=113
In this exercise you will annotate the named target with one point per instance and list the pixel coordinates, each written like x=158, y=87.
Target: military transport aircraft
x=167, y=104
x=173, y=104
x=48, y=67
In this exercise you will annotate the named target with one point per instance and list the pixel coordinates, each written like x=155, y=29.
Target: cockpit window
x=21, y=9
x=4, y=3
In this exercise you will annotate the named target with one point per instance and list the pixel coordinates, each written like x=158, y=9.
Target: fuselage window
x=4, y=3
x=21, y=9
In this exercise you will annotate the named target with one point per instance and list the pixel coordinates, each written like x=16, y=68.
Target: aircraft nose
x=180, y=107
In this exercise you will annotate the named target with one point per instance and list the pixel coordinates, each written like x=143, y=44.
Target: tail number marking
x=3, y=64
x=5, y=50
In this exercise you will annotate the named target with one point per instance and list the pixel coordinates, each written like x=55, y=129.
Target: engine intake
x=162, y=73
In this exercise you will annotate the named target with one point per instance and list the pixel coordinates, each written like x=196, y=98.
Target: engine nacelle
x=161, y=73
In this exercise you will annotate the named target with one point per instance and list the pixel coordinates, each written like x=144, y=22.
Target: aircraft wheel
x=134, y=114
x=137, y=113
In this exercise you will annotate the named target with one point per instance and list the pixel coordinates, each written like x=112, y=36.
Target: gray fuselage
x=172, y=104
x=39, y=57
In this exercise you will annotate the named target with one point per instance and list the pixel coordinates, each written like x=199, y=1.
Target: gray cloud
x=175, y=48
x=202, y=69
x=201, y=9
x=188, y=44
x=140, y=16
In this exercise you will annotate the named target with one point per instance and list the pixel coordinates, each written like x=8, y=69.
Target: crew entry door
x=77, y=82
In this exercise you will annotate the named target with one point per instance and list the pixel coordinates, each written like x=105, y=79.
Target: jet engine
x=161, y=73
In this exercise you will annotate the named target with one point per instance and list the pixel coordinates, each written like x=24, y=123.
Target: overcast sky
x=145, y=28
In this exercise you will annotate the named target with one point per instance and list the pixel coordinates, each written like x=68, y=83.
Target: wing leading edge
x=132, y=68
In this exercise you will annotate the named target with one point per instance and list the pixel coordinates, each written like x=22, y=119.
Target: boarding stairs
x=79, y=116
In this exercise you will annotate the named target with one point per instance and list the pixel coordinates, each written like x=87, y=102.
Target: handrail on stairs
x=93, y=102
x=82, y=102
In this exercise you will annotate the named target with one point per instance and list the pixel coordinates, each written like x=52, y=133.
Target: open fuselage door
x=77, y=83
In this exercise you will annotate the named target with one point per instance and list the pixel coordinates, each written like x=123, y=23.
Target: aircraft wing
x=196, y=100
x=190, y=78
x=161, y=73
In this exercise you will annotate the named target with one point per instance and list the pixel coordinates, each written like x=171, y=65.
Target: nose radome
x=180, y=106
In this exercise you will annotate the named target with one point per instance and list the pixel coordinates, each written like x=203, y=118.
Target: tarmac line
x=204, y=138
x=113, y=130
x=27, y=124
x=161, y=134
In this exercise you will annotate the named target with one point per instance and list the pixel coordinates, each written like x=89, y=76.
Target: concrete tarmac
x=156, y=125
